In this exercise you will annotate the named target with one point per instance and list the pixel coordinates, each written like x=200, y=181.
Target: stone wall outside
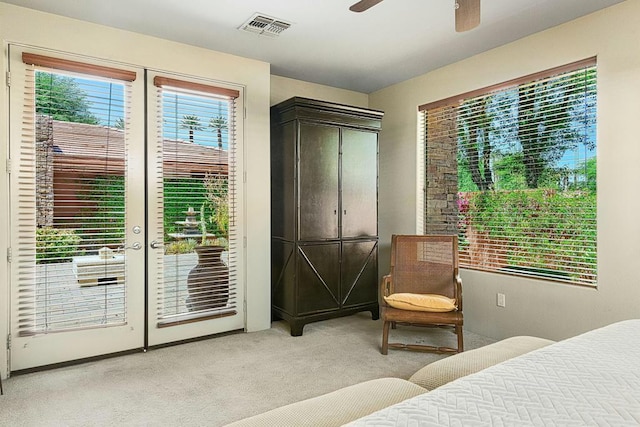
x=442, y=171
x=44, y=171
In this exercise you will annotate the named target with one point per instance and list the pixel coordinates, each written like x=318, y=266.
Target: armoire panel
x=359, y=183
x=318, y=278
x=283, y=272
x=318, y=174
x=359, y=269
x=283, y=159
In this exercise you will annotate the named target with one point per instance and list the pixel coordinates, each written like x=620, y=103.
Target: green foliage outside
x=55, y=245
x=94, y=227
x=103, y=223
x=208, y=197
x=179, y=195
x=217, y=187
x=180, y=246
x=60, y=98
x=549, y=228
x=589, y=171
x=541, y=228
x=508, y=173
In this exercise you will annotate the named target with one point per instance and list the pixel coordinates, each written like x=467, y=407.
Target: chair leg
x=385, y=338
x=460, y=339
x=393, y=325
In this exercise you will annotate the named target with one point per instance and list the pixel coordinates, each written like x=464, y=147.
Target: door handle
x=136, y=246
x=155, y=244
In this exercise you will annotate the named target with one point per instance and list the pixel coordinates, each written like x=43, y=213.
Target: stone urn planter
x=208, y=281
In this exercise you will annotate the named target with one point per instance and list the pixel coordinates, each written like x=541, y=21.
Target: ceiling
x=328, y=44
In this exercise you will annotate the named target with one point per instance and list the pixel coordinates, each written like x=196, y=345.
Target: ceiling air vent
x=265, y=25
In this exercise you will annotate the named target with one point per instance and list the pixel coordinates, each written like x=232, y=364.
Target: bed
x=590, y=379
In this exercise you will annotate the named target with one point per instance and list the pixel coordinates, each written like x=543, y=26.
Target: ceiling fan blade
x=467, y=14
x=363, y=5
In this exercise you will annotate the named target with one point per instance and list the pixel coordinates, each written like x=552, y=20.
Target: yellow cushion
x=421, y=302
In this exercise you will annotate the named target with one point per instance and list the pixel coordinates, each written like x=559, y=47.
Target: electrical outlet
x=501, y=300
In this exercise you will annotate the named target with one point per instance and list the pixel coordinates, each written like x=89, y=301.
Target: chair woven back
x=424, y=264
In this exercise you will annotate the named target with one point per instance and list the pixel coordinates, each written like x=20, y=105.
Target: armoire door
x=359, y=183
x=318, y=188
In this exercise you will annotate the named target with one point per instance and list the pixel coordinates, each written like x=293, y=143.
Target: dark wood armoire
x=324, y=211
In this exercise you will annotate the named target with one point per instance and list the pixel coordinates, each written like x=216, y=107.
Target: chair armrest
x=386, y=288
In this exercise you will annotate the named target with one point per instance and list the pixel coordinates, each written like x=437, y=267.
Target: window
x=512, y=170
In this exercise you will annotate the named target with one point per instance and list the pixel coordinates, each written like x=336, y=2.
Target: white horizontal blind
x=197, y=202
x=421, y=185
x=71, y=212
x=526, y=170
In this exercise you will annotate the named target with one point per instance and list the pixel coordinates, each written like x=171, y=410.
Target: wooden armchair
x=422, y=289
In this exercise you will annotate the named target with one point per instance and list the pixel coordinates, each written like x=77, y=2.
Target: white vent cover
x=265, y=25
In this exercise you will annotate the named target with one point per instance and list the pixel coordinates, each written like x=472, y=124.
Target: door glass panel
x=196, y=202
x=74, y=244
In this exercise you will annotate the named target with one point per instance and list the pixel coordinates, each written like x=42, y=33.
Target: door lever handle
x=155, y=244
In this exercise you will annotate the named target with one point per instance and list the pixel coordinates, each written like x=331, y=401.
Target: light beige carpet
x=218, y=380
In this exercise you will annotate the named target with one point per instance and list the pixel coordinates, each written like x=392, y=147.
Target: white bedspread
x=589, y=380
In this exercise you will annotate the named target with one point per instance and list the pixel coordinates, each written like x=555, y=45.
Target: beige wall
x=535, y=307
x=24, y=26
x=283, y=88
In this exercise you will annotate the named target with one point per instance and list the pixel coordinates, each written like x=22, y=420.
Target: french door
x=194, y=204
x=97, y=239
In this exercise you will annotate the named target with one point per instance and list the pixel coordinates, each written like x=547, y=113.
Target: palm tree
x=219, y=123
x=192, y=123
